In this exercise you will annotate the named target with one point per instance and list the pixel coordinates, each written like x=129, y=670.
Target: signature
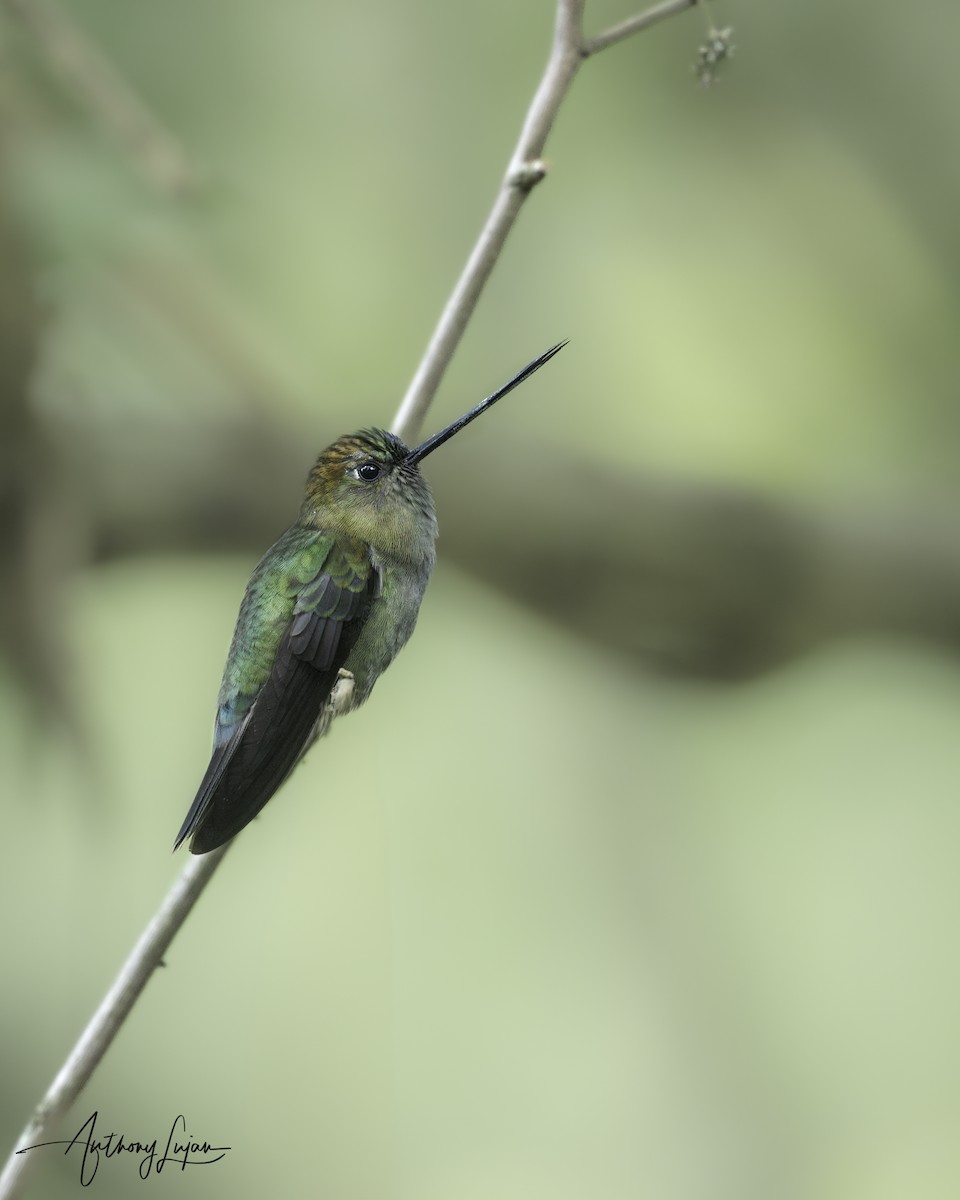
x=186, y=1153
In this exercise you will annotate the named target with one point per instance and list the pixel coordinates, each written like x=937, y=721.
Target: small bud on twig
x=527, y=175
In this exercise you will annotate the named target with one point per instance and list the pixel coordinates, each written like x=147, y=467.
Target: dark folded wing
x=249, y=767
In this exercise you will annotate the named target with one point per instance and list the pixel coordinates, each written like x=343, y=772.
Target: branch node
x=527, y=175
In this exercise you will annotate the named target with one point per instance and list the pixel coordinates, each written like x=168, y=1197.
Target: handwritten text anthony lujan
x=186, y=1153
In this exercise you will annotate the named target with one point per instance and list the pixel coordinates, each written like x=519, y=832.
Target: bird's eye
x=368, y=471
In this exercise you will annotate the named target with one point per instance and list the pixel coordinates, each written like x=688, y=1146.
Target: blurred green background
x=637, y=875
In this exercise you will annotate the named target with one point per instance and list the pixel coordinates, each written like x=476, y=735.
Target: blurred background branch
x=102, y=93
x=701, y=580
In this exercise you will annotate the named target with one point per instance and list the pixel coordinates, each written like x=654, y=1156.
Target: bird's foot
x=341, y=697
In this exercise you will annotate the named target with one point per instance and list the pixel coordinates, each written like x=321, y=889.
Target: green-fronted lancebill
x=325, y=612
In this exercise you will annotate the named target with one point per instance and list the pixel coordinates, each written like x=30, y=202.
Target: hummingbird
x=327, y=609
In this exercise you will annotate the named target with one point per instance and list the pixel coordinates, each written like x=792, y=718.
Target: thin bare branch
x=106, y=1022
x=634, y=24
x=97, y=86
x=525, y=170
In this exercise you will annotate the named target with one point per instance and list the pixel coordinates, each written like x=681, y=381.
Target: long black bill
x=444, y=435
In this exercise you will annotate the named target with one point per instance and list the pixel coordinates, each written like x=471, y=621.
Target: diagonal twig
x=635, y=24
x=109, y=1017
x=524, y=171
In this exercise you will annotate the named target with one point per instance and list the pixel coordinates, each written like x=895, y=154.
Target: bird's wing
x=261, y=734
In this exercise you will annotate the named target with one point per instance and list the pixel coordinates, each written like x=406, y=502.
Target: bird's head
x=368, y=485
